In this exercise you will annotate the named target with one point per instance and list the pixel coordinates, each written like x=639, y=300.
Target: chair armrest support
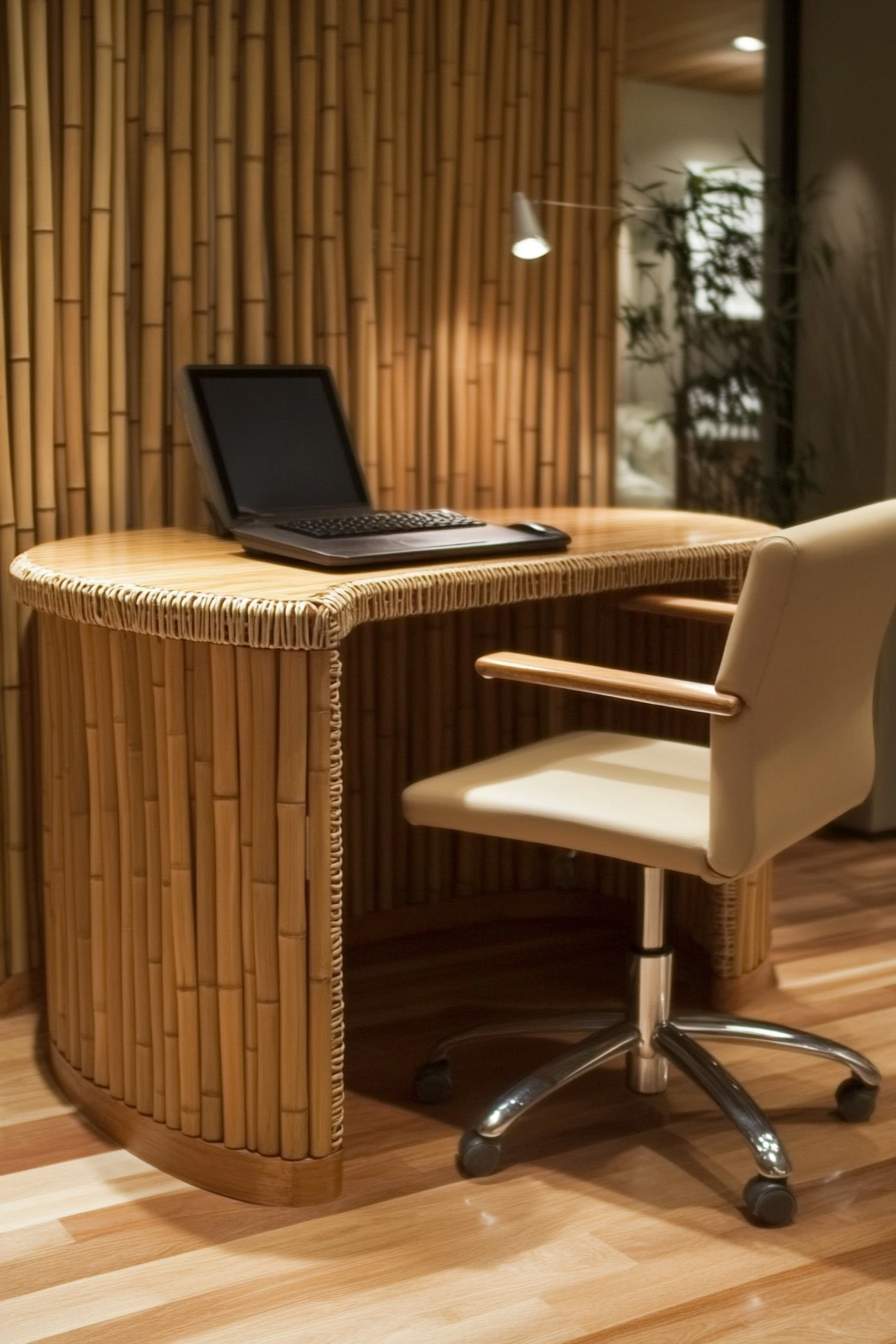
x=611, y=681
x=677, y=604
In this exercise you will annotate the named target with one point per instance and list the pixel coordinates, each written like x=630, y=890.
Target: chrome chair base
x=651, y=1038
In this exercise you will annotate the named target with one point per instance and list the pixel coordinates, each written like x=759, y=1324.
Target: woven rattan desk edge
x=207, y=617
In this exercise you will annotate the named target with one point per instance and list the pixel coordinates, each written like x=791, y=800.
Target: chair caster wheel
x=855, y=1100
x=432, y=1082
x=772, y=1203
x=477, y=1156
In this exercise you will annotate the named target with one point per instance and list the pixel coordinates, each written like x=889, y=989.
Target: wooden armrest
x=612, y=681
x=677, y=604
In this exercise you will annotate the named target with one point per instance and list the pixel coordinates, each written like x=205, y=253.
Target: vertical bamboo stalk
x=169, y=979
x=426, y=363
x=87, y=38
x=563, y=432
x=111, y=848
x=368, y=751
x=202, y=189
x=320, y=894
x=341, y=225
x=263, y=669
x=180, y=248
x=505, y=468
x=126, y=949
x=54, y=925
x=383, y=164
x=97, y=899
x=182, y=915
x=536, y=285
x=118, y=280
x=206, y=915
x=585, y=285
x=54, y=80
x=282, y=181
x=70, y=270
x=151, y=812
x=44, y=280
x=100, y=492
x=518, y=476
x=369, y=47
x=79, y=863
x=134, y=69
x=153, y=252
x=465, y=305
x=416, y=443
x=19, y=282
x=143, y=1043
x=400, y=400
x=448, y=39
x=245, y=728
x=292, y=934
x=252, y=181
x=60, y=478
x=609, y=26
x=548, y=447
x=326, y=183
x=225, y=176
x=354, y=791
x=435, y=690
x=358, y=188
x=228, y=930
x=386, y=794
x=14, y=957
x=402, y=691
x=490, y=433
x=305, y=173
x=467, y=874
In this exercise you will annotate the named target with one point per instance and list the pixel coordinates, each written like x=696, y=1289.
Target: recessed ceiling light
x=748, y=44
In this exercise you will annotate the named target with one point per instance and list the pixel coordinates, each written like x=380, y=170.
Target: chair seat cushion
x=635, y=798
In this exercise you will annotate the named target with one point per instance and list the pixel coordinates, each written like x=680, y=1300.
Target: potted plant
x=717, y=311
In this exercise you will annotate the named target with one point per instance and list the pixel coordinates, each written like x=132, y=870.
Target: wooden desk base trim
x=237, y=1173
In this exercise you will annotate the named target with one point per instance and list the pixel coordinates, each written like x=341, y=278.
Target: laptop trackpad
x=415, y=540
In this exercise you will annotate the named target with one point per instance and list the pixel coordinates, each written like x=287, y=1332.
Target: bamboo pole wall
x=328, y=180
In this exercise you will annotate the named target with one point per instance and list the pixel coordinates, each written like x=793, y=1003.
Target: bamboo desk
x=192, y=787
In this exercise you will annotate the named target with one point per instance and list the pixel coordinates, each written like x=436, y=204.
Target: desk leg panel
x=181, y=784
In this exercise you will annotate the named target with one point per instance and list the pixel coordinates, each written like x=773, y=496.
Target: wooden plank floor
x=616, y=1218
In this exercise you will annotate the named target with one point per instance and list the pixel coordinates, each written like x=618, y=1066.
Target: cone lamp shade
x=528, y=240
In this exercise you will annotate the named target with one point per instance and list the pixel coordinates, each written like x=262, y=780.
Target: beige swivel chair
x=791, y=748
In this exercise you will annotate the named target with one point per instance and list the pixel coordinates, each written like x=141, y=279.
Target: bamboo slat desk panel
x=191, y=768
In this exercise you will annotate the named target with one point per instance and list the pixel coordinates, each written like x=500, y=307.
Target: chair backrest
x=802, y=655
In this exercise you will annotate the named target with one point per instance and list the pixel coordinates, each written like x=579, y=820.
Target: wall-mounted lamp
x=529, y=241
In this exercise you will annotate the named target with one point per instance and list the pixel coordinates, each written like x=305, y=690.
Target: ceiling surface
x=688, y=42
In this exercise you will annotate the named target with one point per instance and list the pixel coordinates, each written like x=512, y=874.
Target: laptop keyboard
x=379, y=523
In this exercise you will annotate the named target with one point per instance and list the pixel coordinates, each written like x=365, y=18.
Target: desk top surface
x=195, y=586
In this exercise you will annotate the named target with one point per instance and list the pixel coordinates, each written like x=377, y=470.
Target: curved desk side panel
x=192, y=845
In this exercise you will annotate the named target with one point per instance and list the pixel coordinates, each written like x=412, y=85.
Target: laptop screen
x=279, y=438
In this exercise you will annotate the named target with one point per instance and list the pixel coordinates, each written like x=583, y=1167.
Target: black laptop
x=282, y=476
